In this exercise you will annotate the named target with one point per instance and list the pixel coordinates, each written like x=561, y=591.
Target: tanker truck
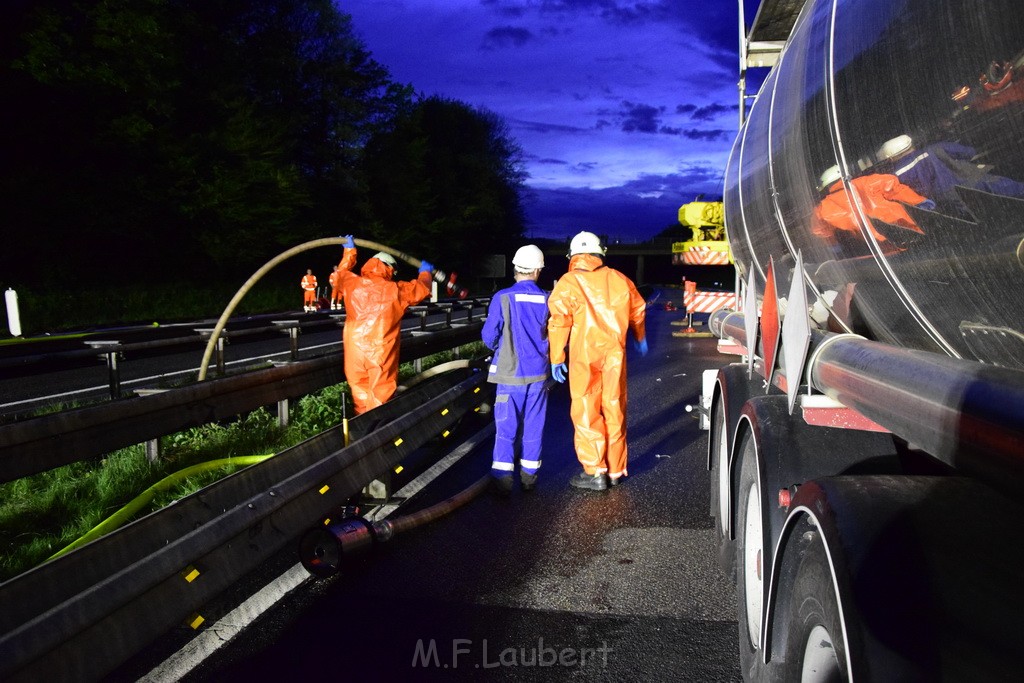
x=866, y=443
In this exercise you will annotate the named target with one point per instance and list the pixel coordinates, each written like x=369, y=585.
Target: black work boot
x=593, y=482
x=614, y=481
x=502, y=485
x=528, y=480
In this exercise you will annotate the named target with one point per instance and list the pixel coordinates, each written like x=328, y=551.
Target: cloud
x=642, y=118
x=712, y=111
x=544, y=127
x=506, y=36
x=709, y=135
x=633, y=211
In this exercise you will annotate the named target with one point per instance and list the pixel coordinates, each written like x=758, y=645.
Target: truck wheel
x=750, y=561
x=815, y=652
x=719, y=440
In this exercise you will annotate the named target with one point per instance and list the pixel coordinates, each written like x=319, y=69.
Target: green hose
x=143, y=499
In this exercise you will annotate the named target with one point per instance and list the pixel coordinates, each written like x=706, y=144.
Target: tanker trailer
x=867, y=449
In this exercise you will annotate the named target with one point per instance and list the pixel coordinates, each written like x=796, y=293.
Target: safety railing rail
x=80, y=616
x=42, y=443
x=43, y=361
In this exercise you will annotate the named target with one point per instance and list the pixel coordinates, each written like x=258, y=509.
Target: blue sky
x=624, y=109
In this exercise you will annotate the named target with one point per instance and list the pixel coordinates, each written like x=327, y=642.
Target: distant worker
x=375, y=305
x=516, y=330
x=592, y=307
x=936, y=170
x=880, y=195
x=335, y=280
x=309, y=291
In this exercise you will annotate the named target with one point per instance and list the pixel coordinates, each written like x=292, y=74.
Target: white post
x=13, y=315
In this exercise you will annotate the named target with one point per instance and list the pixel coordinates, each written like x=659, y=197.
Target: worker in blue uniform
x=936, y=170
x=516, y=330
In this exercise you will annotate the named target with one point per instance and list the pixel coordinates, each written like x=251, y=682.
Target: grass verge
x=42, y=514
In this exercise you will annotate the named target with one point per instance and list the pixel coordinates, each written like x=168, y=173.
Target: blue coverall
x=516, y=330
x=939, y=168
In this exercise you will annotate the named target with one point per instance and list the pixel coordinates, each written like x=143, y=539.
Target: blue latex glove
x=641, y=346
x=927, y=204
x=558, y=371
x=349, y=243
x=426, y=267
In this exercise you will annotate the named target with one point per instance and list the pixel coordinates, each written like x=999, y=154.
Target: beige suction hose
x=269, y=265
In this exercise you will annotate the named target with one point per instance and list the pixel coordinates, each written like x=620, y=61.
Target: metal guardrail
x=83, y=614
x=100, y=348
x=49, y=441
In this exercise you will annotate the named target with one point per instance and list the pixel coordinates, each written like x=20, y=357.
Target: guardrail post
x=152, y=445
x=221, y=341
x=422, y=312
x=153, y=450
x=282, y=413
x=205, y=333
x=447, y=308
x=109, y=350
x=292, y=328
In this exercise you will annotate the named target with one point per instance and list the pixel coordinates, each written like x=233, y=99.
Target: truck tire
x=720, y=490
x=815, y=650
x=750, y=562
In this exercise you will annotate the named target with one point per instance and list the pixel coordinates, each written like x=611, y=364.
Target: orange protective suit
x=592, y=307
x=335, y=280
x=309, y=290
x=374, y=306
x=879, y=194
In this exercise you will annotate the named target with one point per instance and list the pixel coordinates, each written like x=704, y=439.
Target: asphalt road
x=550, y=585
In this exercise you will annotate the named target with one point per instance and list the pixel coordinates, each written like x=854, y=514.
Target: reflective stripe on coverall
x=516, y=330
x=309, y=289
x=374, y=306
x=592, y=307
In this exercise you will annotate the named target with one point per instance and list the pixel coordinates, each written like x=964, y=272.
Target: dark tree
x=161, y=136
x=445, y=182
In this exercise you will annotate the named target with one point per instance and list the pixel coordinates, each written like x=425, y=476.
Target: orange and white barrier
x=708, y=302
x=704, y=256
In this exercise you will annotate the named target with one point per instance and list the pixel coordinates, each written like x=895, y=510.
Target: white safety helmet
x=895, y=147
x=586, y=243
x=528, y=258
x=830, y=175
x=387, y=258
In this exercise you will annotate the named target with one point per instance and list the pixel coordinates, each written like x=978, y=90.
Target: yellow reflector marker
x=445, y=433
x=325, y=489
x=191, y=574
x=327, y=521
x=398, y=441
x=399, y=469
x=476, y=390
x=195, y=621
x=444, y=412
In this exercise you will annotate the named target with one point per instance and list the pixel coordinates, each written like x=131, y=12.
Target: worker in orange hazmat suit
x=335, y=280
x=591, y=309
x=309, y=291
x=374, y=306
x=881, y=195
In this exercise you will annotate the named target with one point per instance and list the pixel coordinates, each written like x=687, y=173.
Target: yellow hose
x=255, y=277
x=144, y=498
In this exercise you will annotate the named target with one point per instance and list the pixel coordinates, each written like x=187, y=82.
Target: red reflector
x=784, y=498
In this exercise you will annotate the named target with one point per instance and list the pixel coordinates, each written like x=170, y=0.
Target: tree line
x=179, y=139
